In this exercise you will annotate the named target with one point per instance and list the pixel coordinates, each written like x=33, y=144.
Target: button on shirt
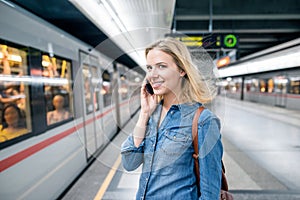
x=166, y=155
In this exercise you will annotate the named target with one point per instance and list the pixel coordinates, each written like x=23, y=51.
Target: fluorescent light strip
x=112, y=13
x=36, y=80
x=291, y=59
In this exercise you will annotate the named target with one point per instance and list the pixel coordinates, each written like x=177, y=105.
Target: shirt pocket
x=175, y=142
x=173, y=145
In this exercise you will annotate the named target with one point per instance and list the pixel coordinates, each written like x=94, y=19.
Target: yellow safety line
x=108, y=179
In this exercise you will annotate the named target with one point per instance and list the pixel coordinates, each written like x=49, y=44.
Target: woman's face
x=163, y=74
x=11, y=116
x=58, y=102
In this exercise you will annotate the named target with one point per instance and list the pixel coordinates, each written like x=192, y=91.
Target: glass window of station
x=14, y=94
x=57, y=89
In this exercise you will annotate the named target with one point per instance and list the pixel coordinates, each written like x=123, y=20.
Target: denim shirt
x=166, y=155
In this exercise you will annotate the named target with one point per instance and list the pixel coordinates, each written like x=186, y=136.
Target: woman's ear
x=182, y=73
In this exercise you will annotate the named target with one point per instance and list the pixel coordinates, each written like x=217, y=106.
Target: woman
x=59, y=114
x=162, y=138
x=13, y=123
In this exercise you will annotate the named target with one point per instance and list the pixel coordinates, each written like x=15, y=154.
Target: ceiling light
x=127, y=23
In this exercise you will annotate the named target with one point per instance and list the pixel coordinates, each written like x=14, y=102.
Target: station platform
x=261, y=156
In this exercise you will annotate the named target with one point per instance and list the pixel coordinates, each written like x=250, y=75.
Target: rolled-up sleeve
x=132, y=157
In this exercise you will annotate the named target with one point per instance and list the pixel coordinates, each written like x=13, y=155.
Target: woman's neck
x=11, y=128
x=60, y=110
x=170, y=100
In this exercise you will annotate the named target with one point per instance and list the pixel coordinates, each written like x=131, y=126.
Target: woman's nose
x=153, y=73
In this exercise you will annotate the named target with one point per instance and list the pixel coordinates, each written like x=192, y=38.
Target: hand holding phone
x=149, y=88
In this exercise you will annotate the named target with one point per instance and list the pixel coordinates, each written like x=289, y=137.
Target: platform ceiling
x=258, y=24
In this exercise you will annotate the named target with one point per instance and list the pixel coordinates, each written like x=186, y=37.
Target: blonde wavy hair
x=199, y=84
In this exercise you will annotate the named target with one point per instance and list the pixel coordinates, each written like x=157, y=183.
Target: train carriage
x=271, y=77
x=42, y=69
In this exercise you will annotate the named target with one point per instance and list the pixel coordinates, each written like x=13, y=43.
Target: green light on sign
x=230, y=40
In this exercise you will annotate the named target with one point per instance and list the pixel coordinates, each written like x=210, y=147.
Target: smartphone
x=149, y=88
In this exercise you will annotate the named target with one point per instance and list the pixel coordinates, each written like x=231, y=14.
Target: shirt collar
x=187, y=108
x=184, y=108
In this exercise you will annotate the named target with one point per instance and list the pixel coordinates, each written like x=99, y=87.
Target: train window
x=232, y=85
x=254, y=85
x=294, y=85
x=262, y=86
x=88, y=95
x=270, y=86
x=57, y=89
x=237, y=84
x=106, y=90
x=247, y=85
x=280, y=83
x=14, y=102
x=96, y=82
x=96, y=88
x=123, y=90
x=123, y=82
x=134, y=82
x=91, y=82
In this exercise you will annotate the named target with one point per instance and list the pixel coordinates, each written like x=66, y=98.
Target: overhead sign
x=230, y=41
x=211, y=41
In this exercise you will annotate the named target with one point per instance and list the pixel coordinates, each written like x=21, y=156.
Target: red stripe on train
x=14, y=159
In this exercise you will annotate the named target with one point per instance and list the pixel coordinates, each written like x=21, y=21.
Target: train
x=70, y=100
x=270, y=77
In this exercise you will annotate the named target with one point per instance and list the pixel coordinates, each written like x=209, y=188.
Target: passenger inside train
x=13, y=89
x=6, y=90
x=59, y=113
x=57, y=95
x=5, y=63
x=12, y=123
x=12, y=96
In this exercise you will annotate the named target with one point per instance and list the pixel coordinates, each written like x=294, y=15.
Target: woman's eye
x=149, y=68
x=162, y=66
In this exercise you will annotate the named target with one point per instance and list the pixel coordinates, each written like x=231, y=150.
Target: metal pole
x=210, y=16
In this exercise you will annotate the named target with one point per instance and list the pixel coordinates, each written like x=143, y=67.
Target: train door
x=123, y=94
x=251, y=89
x=110, y=103
x=95, y=89
x=88, y=105
x=255, y=90
x=280, y=90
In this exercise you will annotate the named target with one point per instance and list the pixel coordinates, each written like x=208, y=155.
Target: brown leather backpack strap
x=195, y=144
x=224, y=184
x=195, y=130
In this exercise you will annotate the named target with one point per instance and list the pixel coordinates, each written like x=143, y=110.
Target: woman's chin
x=158, y=92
